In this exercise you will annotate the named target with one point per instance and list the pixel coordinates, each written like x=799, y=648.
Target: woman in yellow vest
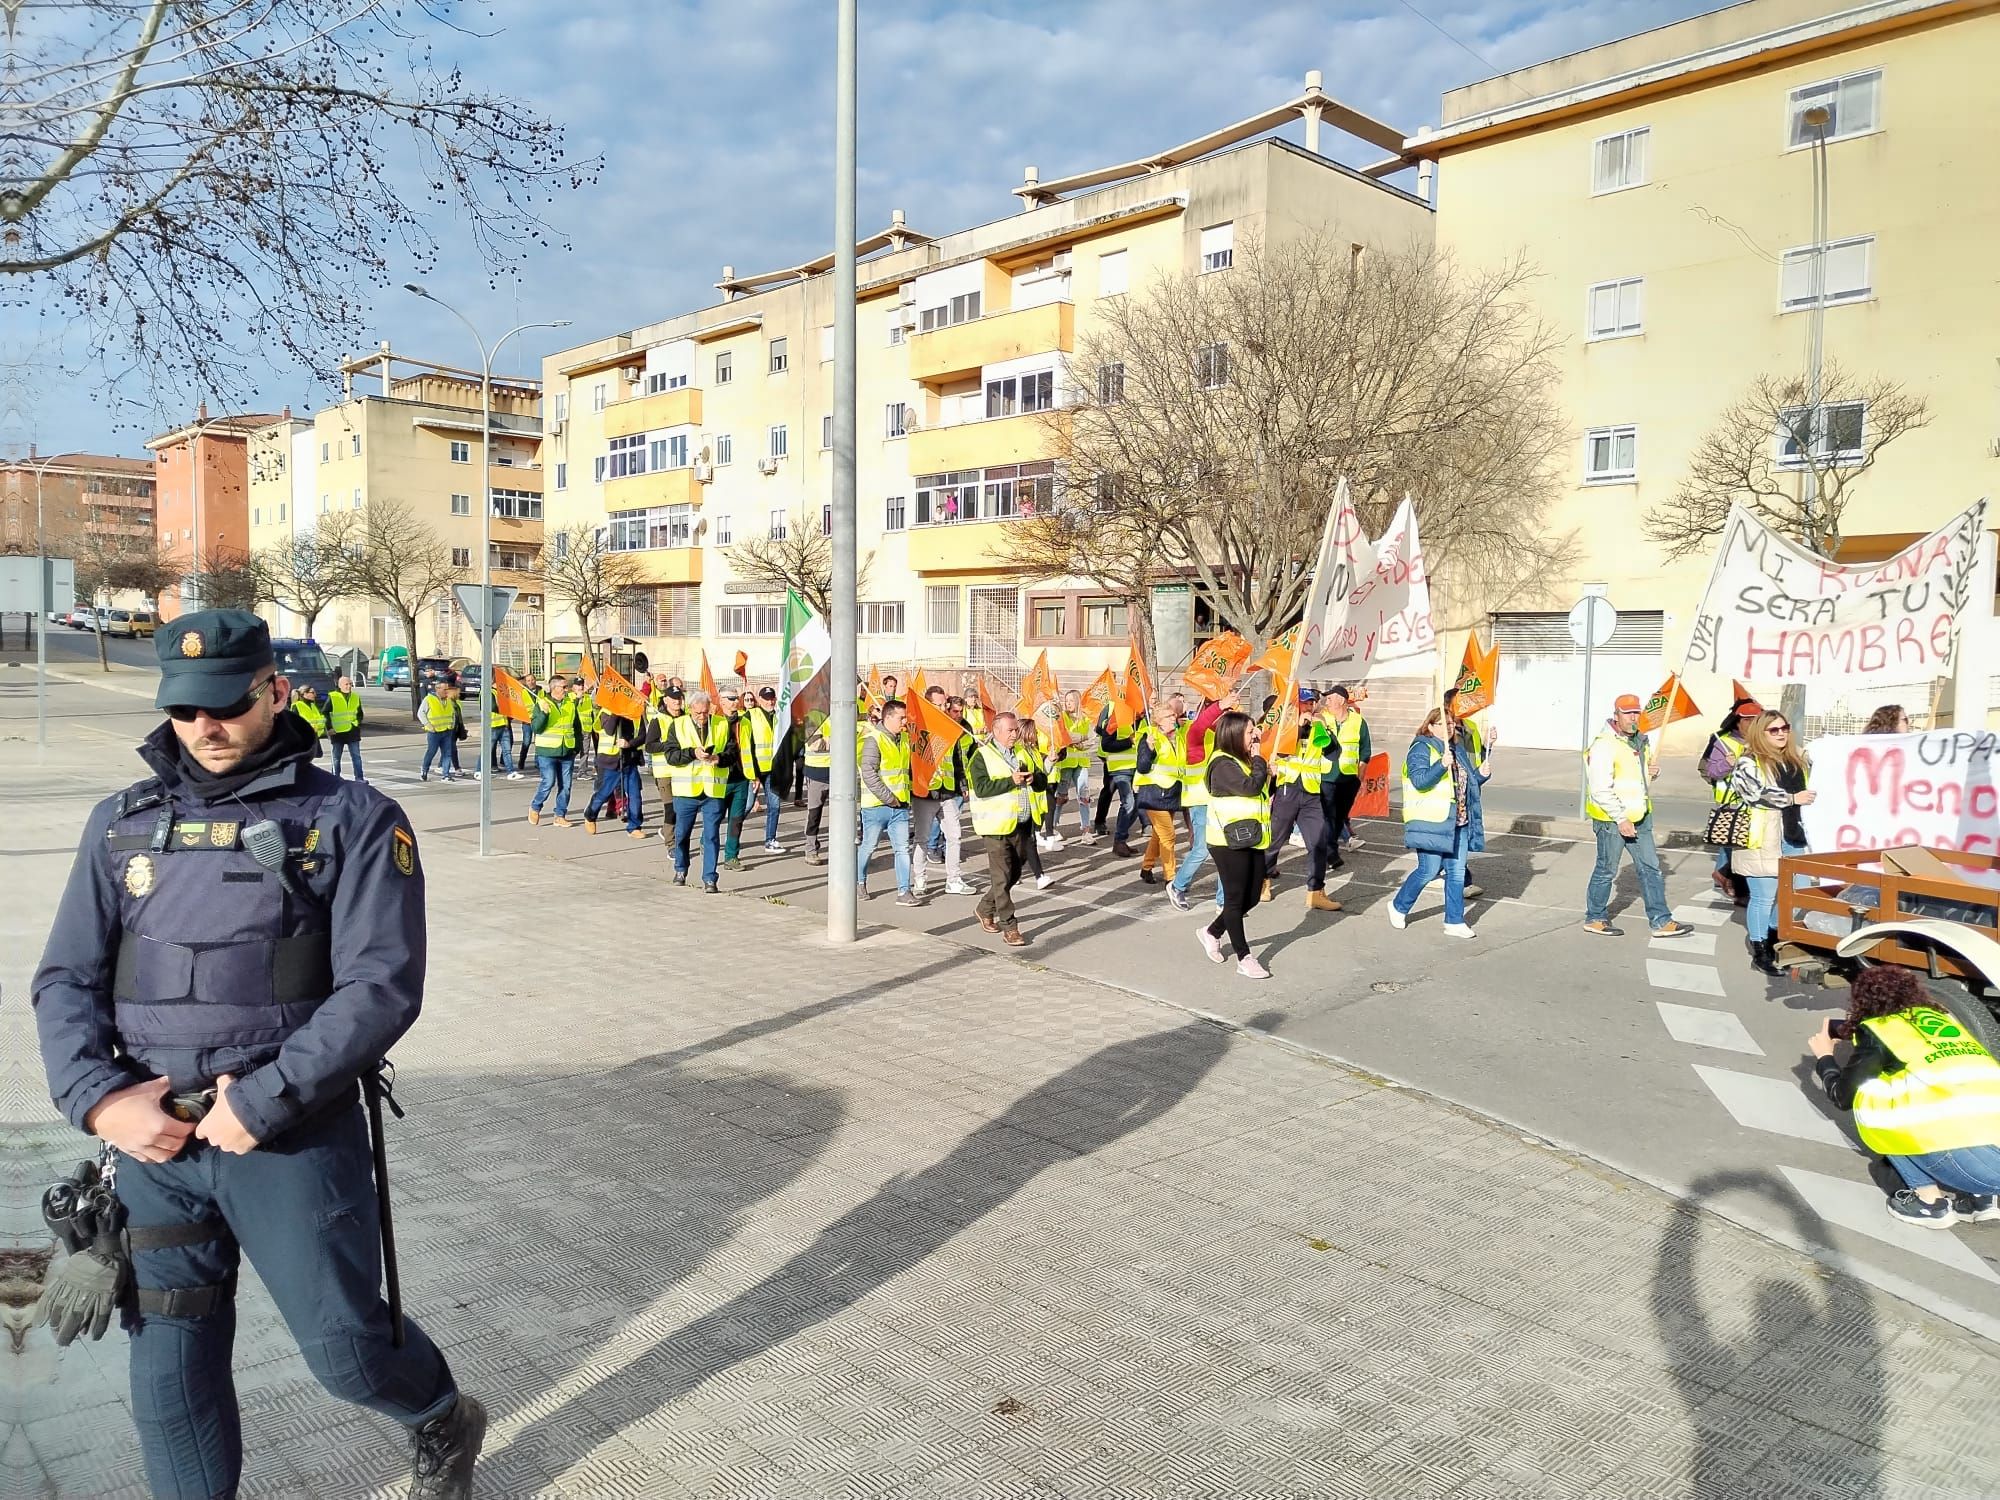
x=1441, y=819
x=439, y=716
x=1238, y=831
x=1718, y=762
x=1770, y=778
x=1925, y=1094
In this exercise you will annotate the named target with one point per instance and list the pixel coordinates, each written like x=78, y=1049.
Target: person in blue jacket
x=207, y=1006
x=1441, y=819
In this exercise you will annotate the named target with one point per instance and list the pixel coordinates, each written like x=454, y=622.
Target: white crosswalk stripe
x=1701, y=914
x=1694, y=942
x=1699, y=1027
x=1859, y=1206
x=1664, y=974
x=1773, y=1104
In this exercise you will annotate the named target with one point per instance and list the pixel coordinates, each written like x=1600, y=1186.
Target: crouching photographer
x=1925, y=1094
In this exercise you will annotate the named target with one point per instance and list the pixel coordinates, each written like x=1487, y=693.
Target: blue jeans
x=1119, y=784
x=875, y=822
x=440, y=745
x=559, y=775
x=1761, y=918
x=1645, y=859
x=1963, y=1169
x=625, y=779
x=1197, y=854
x=735, y=807
x=1429, y=867
x=686, y=809
x=352, y=745
x=503, y=747
x=773, y=795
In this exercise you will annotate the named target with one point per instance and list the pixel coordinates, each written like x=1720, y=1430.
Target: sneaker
x=444, y=1451
x=1459, y=930
x=680, y=877
x=732, y=864
x=814, y=857
x=711, y=887
x=1210, y=944
x=1043, y=882
x=515, y=776
x=1672, y=929
x=423, y=776
x=1474, y=892
x=1042, y=842
x=1086, y=837
x=1398, y=920
x=637, y=833
x=1981, y=1208
x=1148, y=876
x=1178, y=899
x=1941, y=1213
x=909, y=898
x=1056, y=841
x=959, y=888
x=1249, y=968
x=534, y=816
x=564, y=823
x=1602, y=928
x=774, y=847
x=1352, y=843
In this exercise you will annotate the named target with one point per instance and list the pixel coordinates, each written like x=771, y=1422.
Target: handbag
x=1244, y=834
x=1731, y=826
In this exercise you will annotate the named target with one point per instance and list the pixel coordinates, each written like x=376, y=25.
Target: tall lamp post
x=1816, y=120
x=485, y=624
x=842, y=880
x=42, y=624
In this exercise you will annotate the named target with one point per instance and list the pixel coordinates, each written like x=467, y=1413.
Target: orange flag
x=1670, y=704
x=1738, y=692
x=986, y=704
x=1037, y=688
x=1373, y=800
x=1478, y=678
x=1217, y=664
x=1281, y=725
x=1130, y=706
x=742, y=668
x=510, y=696
x=1135, y=666
x=874, y=688
x=708, y=681
x=1057, y=730
x=617, y=696
x=1097, y=697
x=932, y=734
x=1278, y=655
x=587, y=669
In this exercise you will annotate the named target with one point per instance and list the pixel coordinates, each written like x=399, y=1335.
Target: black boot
x=446, y=1449
x=1764, y=957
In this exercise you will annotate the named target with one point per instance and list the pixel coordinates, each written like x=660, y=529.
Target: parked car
x=396, y=673
x=304, y=664
x=82, y=619
x=132, y=624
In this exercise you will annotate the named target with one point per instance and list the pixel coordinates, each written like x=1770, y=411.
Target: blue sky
x=714, y=118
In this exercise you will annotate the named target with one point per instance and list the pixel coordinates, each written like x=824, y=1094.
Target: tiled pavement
x=704, y=1207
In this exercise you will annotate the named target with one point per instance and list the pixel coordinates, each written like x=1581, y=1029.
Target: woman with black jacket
x=1238, y=832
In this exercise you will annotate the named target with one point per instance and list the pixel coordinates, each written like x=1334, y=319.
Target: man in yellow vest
x=586, y=724
x=1351, y=751
x=531, y=685
x=621, y=751
x=1003, y=813
x=667, y=705
x=1118, y=754
x=439, y=715
x=757, y=754
x=1162, y=768
x=885, y=799
x=553, y=734
x=1620, y=766
x=1298, y=778
x=698, y=762
x=502, y=727
x=343, y=717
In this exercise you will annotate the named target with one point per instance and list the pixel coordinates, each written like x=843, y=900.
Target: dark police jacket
x=175, y=953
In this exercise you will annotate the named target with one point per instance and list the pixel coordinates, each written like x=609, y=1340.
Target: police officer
x=207, y=1006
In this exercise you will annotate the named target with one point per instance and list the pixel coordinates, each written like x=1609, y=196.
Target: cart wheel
x=1958, y=997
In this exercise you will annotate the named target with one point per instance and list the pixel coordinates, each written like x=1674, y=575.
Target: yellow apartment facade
x=1663, y=184
x=688, y=436
x=413, y=441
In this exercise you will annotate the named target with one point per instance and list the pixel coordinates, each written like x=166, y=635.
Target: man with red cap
x=1620, y=767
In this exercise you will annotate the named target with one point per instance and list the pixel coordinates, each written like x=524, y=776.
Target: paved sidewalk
x=705, y=1207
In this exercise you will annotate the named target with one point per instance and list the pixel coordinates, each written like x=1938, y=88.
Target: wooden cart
x=1912, y=887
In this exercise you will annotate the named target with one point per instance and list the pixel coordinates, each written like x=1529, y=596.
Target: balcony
x=666, y=564
x=681, y=408
x=963, y=350
x=961, y=547
x=661, y=487
x=980, y=445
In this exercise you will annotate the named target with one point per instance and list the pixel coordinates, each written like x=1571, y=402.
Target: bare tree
x=1103, y=528
x=800, y=558
x=195, y=178
x=400, y=560
x=1224, y=409
x=311, y=569
x=578, y=568
x=1766, y=445
x=226, y=577
x=107, y=563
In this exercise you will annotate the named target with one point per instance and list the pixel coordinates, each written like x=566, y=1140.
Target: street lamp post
x=42, y=622
x=843, y=881
x=485, y=624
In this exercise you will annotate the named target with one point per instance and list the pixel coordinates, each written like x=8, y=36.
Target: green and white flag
x=807, y=651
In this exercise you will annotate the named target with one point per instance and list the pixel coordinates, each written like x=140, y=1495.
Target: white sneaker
x=1042, y=842
x=1396, y=919
x=1056, y=841
x=1354, y=843
x=1459, y=930
x=1210, y=944
x=1043, y=882
x=1249, y=968
x=918, y=888
x=514, y=776
x=774, y=848
x=959, y=888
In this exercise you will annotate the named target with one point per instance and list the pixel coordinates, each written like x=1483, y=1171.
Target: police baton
x=376, y=1086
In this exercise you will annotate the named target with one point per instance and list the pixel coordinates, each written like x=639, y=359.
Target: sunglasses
x=1780, y=729
x=182, y=713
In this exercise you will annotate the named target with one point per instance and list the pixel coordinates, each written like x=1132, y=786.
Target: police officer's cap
x=209, y=659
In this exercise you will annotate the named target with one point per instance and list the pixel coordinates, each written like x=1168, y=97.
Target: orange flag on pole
x=1037, y=688
x=708, y=681
x=1278, y=655
x=510, y=696
x=1478, y=678
x=932, y=734
x=1282, y=723
x=986, y=704
x=587, y=669
x=617, y=696
x=1130, y=706
x=743, y=665
x=1135, y=666
x=1097, y=697
x=1217, y=664
x=1738, y=692
x=874, y=688
x=1373, y=800
x=1669, y=705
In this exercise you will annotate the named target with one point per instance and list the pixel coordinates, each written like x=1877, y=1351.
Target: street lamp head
x=411, y=286
x=1818, y=117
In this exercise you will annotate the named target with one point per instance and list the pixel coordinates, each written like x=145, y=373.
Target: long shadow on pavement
x=1120, y=1089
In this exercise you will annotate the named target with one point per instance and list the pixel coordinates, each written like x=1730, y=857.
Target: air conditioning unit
x=1062, y=260
x=557, y=430
x=631, y=374
x=704, y=471
x=767, y=466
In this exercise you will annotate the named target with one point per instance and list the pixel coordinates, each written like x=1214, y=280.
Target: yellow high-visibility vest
x=344, y=711
x=696, y=779
x=312, y=713
x=1440, y=803
x=1347, y=735
x=1628, y=777
x=557, y=735
x=1223, y=811
x=996, y=817
x=895, y=772
x=438, y=715
x=1945, y=1095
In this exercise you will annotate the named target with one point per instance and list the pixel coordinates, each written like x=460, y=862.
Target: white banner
x=1369, y=612
x=1775, y=612
x=1878, y=791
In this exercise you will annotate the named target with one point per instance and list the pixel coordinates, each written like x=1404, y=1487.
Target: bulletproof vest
x=215, y=955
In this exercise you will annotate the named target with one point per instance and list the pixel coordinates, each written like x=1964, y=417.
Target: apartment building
x=411, y=441
x=689, y=436
x=95, y=493
x=1664, y=185
x=201, y=498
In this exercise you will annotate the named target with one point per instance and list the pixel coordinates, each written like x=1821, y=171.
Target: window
x=1211, y=366
x=826, y=519
x=725, y=449
x=660, y=381
x=1021, y=393
x=356, y=502
x=943, y=498
x=257, y=516
x=1104, y=619
x=562, y=545
x=518, y=505
x=1610, y=454
x=1836, y=438
x=355, y=439
x=625, y=531
x=1218, y=247
x=627, y=456
x=325, y=504
x=1848, y=274
x=777, y=443
x=597, y=396
x=896, y=419
x=1049, y=620
x=826, y=431
x=461, y=557
x=281, y=510
x=513, y=559
x=1114, y=274
x=1619, y=161
x=777, y=530
x=826, y=344
x=893, y=511
x=1854, y=102
x=597, y=470
x=1110, y=384
x=461, y=452
x=562, y=406
x=781, y=359
x=961, y=309
x=725, y=367
x=941, y=609
x=1616, y=307
x=881, y=619
x=325, y=452
x=895, y=326
x=722, y=533
x=750, y=619
x=562, y=476
x=667, y=452
x=670, y=526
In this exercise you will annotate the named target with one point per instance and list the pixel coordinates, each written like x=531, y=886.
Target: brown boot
x=989, y=924
x=564, y=823
x=1013, y=939
x=590, y=826
x=1269, y=887
x=1320, y=901
x=534, y=817
x=1124, y=850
